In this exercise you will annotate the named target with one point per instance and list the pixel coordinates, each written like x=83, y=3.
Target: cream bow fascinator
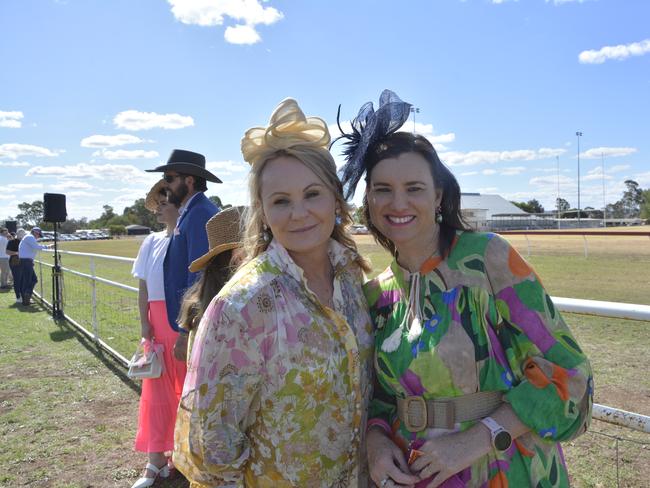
x=288, y=130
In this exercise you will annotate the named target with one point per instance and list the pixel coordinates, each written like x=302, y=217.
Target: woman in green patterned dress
x=478, y=376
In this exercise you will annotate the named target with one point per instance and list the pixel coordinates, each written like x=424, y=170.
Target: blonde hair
x=290, y=133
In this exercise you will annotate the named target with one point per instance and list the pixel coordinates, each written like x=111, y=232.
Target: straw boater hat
x=224, y=233
x=151, y=200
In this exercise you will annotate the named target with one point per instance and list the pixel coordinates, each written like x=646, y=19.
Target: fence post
x=94, y=298
x=527, y=244
x=40, y=280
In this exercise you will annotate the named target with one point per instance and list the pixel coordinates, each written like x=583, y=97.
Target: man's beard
x=176, y=198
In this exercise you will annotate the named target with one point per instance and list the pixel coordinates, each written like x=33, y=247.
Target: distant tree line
x=635, y=203
x=31, y=214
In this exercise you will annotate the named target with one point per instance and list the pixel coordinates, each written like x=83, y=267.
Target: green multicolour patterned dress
x=487, y=325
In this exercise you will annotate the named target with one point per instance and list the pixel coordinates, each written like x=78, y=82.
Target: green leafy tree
x=562, y=205
x=138, y=214
x=645, y=205
x=217, y=201
x=632, y=199
x=104, y=218
x=30, y=213
x=531, y=206
x=357, y=215
x=630, y=205
x=70, y=226
x=116, y=230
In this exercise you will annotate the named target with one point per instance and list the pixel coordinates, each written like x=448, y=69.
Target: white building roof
x=492, y=204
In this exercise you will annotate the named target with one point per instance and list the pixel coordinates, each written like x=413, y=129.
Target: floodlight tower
x=579, y=134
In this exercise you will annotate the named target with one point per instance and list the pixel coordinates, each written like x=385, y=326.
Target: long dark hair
x=197, y=298
x=405, y=142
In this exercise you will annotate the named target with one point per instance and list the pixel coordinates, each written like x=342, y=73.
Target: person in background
x=224, y=232
x=27, y=251
x=186, y=177
x=479, y=377
x=5, y=271
x=14, y=262
x=279, y=375
x=160, y=396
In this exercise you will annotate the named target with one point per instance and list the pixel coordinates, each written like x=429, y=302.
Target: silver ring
x=383, y=482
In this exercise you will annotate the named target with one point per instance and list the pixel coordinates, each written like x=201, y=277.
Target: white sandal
x=144, y=482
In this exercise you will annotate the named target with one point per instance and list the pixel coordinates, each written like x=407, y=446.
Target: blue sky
x=92, y=92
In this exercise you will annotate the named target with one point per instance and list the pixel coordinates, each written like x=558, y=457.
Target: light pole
x=602, y=160
x=579, y=134
x=414, y=110
x=557, y=200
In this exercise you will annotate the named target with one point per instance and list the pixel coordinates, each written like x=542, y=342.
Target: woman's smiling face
x=298, y=207
x=402, y=199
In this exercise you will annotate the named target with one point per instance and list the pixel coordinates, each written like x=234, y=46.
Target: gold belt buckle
x=415, y=409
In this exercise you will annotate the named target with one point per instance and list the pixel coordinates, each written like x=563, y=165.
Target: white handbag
x=146, y=363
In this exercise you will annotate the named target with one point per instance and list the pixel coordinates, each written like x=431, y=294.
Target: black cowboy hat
x=187, y=163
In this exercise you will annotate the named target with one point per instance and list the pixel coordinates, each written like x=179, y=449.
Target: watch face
x=502, y=440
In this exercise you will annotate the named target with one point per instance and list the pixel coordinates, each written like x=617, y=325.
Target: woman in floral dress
x=479, y=378
x=278, y=378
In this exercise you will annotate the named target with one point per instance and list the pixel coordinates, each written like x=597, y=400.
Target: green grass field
x=68, y=414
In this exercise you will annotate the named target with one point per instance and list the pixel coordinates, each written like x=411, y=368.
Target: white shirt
x=28, y=247
x=148, y=266
x=3, y=247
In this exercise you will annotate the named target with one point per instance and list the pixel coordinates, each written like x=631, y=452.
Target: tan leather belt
x=417, y=414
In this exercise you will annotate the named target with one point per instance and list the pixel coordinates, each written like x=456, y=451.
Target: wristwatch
x=501, y=438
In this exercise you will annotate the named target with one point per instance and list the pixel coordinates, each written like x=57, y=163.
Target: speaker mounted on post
x=54, y=211
x=54, y=207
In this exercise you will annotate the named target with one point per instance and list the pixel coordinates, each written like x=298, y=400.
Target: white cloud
x=119, y=172
x=124, y=154
x=619, y=52
x=23, y=186
x=549, y=152
x=7, y=197
x=488, y=172
x=596, y=174
x=618, y=168
x=469, y=173
x=11, y=119
x=71, y=185
x=512, y=170
x=80, y=194
x=608, y=152
x=643, y=179
x=550, y=182
x=13, y=164
x=247, y=14
x=456, y=158
x=241, y=34
x=110, y=141
x=136, y=120
x=15, y=151
x=224, y=168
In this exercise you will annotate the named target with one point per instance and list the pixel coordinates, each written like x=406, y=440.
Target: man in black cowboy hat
x=186, y=177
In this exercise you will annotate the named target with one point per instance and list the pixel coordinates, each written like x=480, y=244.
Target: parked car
x=359, y=229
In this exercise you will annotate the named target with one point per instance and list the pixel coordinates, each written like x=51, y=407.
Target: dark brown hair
x=197, y=298
x=400, y=143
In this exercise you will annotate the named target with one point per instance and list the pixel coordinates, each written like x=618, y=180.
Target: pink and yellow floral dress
x=278, y=384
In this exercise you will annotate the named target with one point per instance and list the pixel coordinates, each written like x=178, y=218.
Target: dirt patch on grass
x=9, y=398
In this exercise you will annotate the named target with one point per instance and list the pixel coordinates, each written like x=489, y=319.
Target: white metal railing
x=570, y=305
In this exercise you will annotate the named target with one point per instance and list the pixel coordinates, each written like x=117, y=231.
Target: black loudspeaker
x=54, y=207
x=11, y=225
